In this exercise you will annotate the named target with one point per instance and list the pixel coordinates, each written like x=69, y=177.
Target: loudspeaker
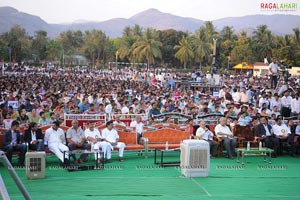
x=35, y=165
x=195, y=158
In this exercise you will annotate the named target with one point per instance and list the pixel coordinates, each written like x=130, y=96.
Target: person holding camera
x=273, y=68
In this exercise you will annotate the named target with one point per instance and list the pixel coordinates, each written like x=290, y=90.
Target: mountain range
x=279, y=24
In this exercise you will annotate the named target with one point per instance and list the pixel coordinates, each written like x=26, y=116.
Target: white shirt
x=286, y=101
x=110, y=135
x=94, y=134
x=139, y=127
x=295, y=105
x=262, y=101
x=205, y=134
x=297, y=132
x=54, y=136
x=125, y=110
x=224, y=129
x=281, y=130
x=75, y=136
x=275, y=103
x=236, y=97
x=119, y=123
x=7, y=123
x=33, y=136
x=108, y=108
x=267, y=130
x=274, y=68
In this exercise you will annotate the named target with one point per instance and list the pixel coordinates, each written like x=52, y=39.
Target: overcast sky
x=61, y=11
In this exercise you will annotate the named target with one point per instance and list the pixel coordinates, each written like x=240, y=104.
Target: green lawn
x=139, y=178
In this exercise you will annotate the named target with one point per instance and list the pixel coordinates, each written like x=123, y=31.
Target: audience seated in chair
x=76, y=139
x=56, y=141
x=229, y=141
x=33, y=136
x=264, y=132
x=203, y=133
x=13, y=142
x=110, y=135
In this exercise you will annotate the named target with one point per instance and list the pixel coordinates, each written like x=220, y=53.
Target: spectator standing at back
x=273, y=68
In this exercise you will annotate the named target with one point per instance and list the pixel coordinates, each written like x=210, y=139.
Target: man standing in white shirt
x=273, y=68
x=203, y=133
x=223, y=131
x=138, y=125
x=93, y=136
x=286, y=101
x=295, y=105
x=56, y=141
x=110, y=135
x=275, y=102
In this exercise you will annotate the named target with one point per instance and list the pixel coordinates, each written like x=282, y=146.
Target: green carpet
x=139, y=178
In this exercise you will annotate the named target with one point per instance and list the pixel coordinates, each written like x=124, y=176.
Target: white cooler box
x=35, y=165
x=195, y=158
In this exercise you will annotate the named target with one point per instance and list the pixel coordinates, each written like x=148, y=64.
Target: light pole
x=117, y=53
x=214, y=55
x=228, y=60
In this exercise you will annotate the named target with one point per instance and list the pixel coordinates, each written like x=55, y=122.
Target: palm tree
x=263, y=42
x=200, y=45
x=185, y=51
x=125, y=46
x=148, y=47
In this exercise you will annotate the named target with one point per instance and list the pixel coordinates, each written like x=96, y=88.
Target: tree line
x=169, y=48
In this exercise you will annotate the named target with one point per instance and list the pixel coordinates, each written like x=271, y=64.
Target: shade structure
x=243, y=65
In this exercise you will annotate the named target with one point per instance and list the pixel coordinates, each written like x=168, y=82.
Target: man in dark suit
x=13, y=142
x=265, y=132
x=34, y=137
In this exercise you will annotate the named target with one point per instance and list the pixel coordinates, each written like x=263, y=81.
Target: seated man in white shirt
x=93, y=136
x=224, y=132
x=203, y=133
x=110, y=135
x=281, y=131
x=139, y=127
x=76, y=139
x=118, y=121
x=56, y=141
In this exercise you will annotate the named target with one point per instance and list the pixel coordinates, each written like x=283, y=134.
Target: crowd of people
x=38, y=97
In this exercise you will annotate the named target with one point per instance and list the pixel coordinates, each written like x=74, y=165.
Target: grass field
x=139, y=178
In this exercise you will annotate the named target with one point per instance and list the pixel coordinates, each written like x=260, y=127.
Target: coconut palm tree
x=200, y=45
x=148, y=47
x=185, y=51
x=263, y=42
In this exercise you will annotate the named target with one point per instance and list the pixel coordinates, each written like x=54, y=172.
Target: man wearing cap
x=56, y=141
x=273, y=68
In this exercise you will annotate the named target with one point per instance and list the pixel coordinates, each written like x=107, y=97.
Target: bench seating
x=157, y=139
x=128, y=137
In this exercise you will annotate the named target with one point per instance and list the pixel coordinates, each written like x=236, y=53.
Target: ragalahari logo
x=279, y=6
